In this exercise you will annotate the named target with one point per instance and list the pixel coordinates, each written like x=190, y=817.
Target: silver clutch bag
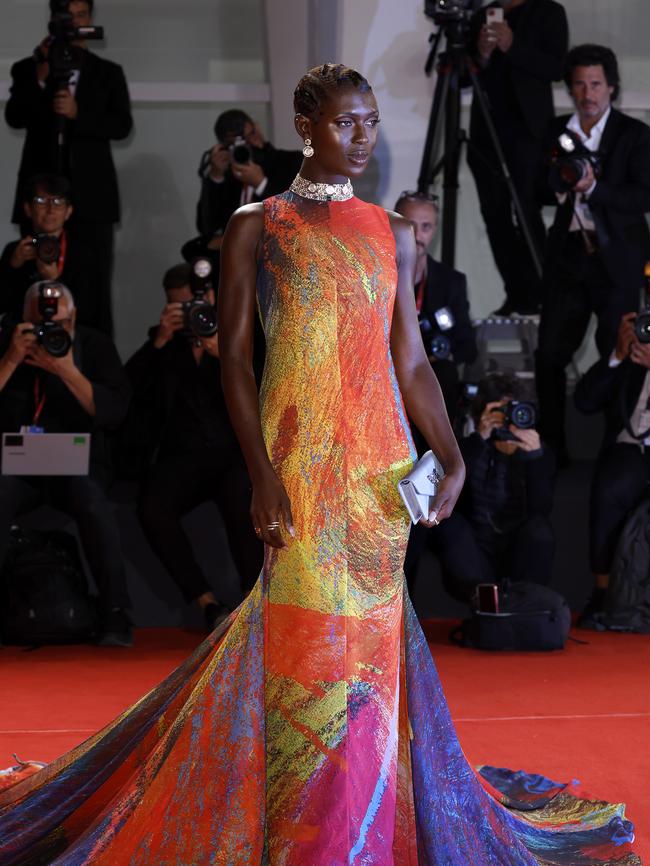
x=418, y=489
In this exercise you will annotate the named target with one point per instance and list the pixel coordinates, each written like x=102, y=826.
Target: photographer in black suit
x=599, y=241
x=518, y=60
x=240, y=168
x=37, y=256
x=85, y=390
x=618, y=385
x=193, y=453
x=440, y=295
x=94, y=109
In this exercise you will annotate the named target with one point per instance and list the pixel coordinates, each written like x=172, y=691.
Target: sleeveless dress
x=311, y=728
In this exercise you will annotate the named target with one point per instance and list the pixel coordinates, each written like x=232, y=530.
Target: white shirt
x=582, y=218
x=72, y=83
x=640, y=419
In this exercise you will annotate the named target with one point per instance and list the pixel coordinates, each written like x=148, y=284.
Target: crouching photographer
x=501, y=526
x=58, y=377
x=193, y=453
x=619, y=385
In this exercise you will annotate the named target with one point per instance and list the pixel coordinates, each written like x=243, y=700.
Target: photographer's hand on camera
x=270, y=505
x=210, y=344
x=526, y=440
x=491, y=419
x=503, y=35
x=25, y=252
x=249, y=173
x=171, y=320
x=585, y=183
x=640, y=353
x=65, y=104
x=626, y=336
x=22, y=343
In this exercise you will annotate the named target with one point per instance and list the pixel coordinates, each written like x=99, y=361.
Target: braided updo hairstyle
x=318, y=83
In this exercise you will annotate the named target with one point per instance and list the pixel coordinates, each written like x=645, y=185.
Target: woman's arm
x=236, y=312
x=417, y=381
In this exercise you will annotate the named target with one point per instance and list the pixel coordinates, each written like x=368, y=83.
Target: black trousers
x=95, y=307
x=467, y=558
x=177, y=484
x=621, y=480
x=523, y=155
x=85, y=500
x=576, y=285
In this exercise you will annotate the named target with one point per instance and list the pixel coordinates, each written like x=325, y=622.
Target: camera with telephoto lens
x=48, y=248
x=199, y=316
x=49, y=334
x=64, y=57
x=450, y=11
x=437, y=345
x=516, y=413
x=570, y=161
x=240, y=151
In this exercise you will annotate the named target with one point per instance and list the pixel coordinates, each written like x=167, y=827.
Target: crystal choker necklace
x=321, y=191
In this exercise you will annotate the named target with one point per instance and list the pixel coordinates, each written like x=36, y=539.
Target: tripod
x=454, y=66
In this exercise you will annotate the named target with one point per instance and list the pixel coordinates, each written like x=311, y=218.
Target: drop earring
x=307, y=150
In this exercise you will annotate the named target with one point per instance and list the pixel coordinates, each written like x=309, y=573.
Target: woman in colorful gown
x=311, y=729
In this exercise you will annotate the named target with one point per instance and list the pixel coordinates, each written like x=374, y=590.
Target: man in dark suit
x=440, y=293
x=518, y=59
x=599, y=241
x=241, y=167
x=91, y=110
x=48, y=207
x=618, y=385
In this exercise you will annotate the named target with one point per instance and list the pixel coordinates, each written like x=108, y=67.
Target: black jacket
x=77, y=275
x=219, y=201
x=96, y=356
x=612, y=390
x=104, y=114
x=446, y=287
x=502, y=491
x=618, y=203
x=535, y=59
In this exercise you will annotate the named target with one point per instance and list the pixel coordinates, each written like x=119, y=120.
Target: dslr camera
x=199, y=316
x=570, y=161
x=642, y=321
x=48, y=248
x=436, y=343
x=516, y=413
x=49, y=334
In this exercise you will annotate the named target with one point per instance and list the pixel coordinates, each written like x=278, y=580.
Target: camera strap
x=63, y=247
x=39, y=401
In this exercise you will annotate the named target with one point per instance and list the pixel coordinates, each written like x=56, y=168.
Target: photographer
x=193, y=452
x=501, y=527
x=85, y=98
x=619, y=385
x=82, y=390
x=48, y=251
x=440, y=299
x=599, y=241
x=518, y=59
x=240, y=168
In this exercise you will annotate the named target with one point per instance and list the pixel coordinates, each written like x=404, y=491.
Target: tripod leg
x=453, y=141
x=427, y=166
x=494, y=137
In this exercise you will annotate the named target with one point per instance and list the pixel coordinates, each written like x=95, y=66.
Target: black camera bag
x=531, y=617
x=44, y=595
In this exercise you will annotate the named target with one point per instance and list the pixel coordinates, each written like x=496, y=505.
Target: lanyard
x=419, y=293
x=39, y=401
x=64, y=248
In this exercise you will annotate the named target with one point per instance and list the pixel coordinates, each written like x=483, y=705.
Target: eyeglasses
x=416, y=195
x=56, y=201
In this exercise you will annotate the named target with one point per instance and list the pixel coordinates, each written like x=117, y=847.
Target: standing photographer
x=618, y=385
x=240, y=168
x=79, y=389
x=440, y=299
x=519, y=52
x=193, y=454
x=72, y=104
x=48, y=251
x=599, y=241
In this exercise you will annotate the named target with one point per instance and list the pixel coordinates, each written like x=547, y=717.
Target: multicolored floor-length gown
x=312, y=729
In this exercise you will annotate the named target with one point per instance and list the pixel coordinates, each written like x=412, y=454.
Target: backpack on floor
x=627, y=605
x=43, y=590
x=531, y=617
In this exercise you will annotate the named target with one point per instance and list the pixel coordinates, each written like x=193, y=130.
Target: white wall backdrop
x=205, y=45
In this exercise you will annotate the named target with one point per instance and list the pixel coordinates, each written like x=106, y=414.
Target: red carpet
x=583, y=713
